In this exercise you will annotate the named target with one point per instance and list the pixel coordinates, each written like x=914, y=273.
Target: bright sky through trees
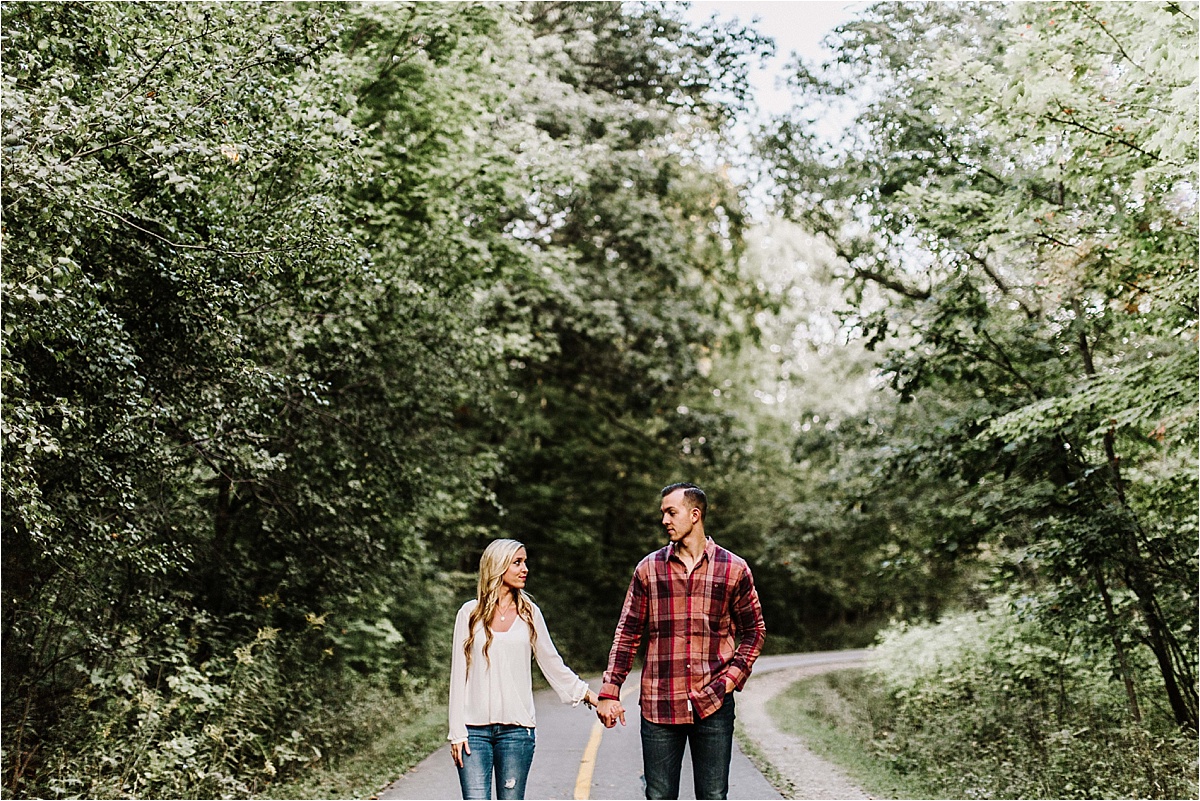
x=797, y=26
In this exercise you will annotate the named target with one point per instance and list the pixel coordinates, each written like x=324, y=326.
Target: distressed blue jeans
x=711, y=741
x=500, y=749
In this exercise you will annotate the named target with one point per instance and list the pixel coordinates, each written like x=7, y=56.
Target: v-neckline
x=512, y=623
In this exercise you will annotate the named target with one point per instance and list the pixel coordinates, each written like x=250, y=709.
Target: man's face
x=677, y=516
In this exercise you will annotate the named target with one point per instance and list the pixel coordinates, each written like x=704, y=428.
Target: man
x=696, y=604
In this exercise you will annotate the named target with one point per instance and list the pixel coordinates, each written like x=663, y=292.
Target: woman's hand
x=610, y=711
x=590, y=700
x=456, y=752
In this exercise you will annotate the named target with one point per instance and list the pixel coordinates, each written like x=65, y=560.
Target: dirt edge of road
x=784, y=759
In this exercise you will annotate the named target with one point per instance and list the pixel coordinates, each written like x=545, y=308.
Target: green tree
x=1035, y=230
x=834, y=557
x=285, y=289
x=162, y=222
x=632, y=246
x=229, y=413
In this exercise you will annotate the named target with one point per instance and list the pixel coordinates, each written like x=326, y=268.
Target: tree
x=229, y=420
x=278, y=279
x=632, y=246
x=1036, y=232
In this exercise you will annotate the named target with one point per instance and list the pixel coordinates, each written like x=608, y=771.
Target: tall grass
x=991, y=705
x=835, y=714
x=396, y=732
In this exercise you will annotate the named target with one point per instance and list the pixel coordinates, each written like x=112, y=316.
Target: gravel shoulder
x=804, y=774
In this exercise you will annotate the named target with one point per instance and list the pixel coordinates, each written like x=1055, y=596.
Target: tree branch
x=999, y=282
x=181, y=245
x=1105, y=135
x=890, y=283
x=1082, y=8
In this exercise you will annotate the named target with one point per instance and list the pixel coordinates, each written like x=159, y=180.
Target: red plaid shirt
x=701, y=628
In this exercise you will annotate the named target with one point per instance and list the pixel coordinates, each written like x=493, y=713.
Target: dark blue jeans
x=711, y=741
x=500, y=749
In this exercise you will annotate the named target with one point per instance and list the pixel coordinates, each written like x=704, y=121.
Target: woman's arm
x=570, y=688
x=458, y=678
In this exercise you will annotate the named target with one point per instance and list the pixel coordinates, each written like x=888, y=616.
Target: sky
x=795, y=25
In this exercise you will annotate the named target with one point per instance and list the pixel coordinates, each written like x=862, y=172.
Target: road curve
x=565, y=767
x=800, y=772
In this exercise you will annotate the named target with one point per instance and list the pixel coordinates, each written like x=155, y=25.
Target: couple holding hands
x=694, y=603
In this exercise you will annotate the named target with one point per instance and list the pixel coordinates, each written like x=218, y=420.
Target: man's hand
x=609, y=711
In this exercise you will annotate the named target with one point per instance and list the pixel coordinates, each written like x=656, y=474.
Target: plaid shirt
x=701, y=628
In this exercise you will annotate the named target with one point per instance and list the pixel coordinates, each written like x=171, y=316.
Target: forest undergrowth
x=981, y=706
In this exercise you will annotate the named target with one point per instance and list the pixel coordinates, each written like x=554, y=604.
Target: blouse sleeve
x=458, y=678
x=570, y=688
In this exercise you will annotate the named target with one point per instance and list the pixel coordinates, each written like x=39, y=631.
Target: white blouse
x=502, y=692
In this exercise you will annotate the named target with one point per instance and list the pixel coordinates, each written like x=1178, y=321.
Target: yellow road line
x=583, y=782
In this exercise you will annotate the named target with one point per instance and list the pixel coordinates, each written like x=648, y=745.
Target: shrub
x=992, y=705
x=231, y=727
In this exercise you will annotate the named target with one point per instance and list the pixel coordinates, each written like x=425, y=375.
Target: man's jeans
x=711, y=741
x=502, y=749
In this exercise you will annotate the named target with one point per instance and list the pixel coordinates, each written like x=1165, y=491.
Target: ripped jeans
x=498, y=748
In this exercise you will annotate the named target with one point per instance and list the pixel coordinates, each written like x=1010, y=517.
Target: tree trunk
x=1176, y=674
x=1123, y=660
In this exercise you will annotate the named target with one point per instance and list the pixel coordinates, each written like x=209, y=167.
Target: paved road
x=563, y=736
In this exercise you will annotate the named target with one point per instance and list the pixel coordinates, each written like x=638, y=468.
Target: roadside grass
x=394, y=733
x=823, y=711
x=776, y=779
x=399, y=733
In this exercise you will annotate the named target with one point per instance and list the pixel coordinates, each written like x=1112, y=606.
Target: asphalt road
x=564, y=766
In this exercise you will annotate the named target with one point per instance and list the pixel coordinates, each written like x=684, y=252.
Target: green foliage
x=1019, y=243
x=837, y=714
x=395, y=732
x=167, y=230
x=184, y=731
x=631, y=249
x=808, y=438
x=993, y=705
x=278, y=282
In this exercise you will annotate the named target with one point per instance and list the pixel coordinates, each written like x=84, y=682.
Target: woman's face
x=518, y=570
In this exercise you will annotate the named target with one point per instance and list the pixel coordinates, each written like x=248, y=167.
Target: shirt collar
x=710, y=549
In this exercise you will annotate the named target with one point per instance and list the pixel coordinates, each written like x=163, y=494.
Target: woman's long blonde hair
x=492, y=565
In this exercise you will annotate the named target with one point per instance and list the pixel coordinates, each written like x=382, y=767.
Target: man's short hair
x=695, y=496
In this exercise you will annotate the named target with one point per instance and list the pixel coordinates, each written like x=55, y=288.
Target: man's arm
x=752, y=631
x=630, y=627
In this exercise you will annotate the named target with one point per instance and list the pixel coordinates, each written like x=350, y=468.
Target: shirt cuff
x=582, y=695
x=610, y=691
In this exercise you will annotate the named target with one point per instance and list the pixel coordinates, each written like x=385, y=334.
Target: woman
x=491, y=684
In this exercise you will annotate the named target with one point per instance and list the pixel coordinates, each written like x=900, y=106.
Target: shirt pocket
x=716, y=608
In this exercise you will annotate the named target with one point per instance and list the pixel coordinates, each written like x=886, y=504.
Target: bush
x=233, y=727
x=992, y=705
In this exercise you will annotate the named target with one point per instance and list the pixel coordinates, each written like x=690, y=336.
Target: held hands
x=609, y=711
